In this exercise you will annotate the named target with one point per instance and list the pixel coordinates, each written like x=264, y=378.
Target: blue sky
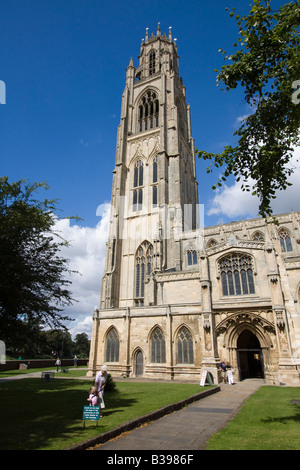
x=64, y=63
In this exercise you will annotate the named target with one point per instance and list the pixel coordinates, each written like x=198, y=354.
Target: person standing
x=229, y=373
x=100, y=382
x=57, y=363
x=93, y=397
x=223, y=370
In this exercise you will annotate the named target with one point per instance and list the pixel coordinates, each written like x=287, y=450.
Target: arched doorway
x=249, y=356
x=139, y=363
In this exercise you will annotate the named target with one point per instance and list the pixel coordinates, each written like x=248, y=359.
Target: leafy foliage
x=267, y=67
x=110, y=385
x=33, y=283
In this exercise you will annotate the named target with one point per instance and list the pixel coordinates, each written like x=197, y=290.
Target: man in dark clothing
x=223, y=370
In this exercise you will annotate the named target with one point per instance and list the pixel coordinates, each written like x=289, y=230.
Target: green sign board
x=91, y=413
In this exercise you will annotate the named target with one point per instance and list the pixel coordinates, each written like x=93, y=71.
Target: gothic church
x=177, y=298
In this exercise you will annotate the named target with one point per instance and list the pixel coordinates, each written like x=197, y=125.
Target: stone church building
x=177, y=298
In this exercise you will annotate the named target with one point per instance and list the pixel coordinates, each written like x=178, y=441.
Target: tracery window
x=148, y=111
x=158, y=346
x=258, y=236
x=185, y=351
x=138, y=183
x=285, y=240
x=192, y=257
x=237, y=274
x=143, y=267
x=112, y=346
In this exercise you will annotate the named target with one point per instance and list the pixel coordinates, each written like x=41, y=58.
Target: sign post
x=91, y=413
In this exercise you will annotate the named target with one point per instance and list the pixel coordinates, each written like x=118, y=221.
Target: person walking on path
x=57, y=363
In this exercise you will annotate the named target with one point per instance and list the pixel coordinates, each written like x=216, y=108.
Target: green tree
x=34, y=288
x=58, y=343
x=266, y=65
x=82, y=345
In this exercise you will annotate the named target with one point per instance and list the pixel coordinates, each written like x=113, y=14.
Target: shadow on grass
x=286, y=419
x=36, y=414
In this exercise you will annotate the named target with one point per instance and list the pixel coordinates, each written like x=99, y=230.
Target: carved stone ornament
x=206, y=322
x=279, y=318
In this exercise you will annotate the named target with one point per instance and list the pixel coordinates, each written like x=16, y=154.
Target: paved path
x=191, y=427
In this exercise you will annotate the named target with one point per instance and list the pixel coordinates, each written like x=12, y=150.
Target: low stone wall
x=39, y=363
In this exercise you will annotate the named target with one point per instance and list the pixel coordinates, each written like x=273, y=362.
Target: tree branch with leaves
x=34, y=277
x=266, y=65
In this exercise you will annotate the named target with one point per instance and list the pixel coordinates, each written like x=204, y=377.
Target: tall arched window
x=185, y=351
x=154, y=181
x=154, y=178
x=192, y=257
x=152, y=63
x=112, y=346
x=285, y=240
x=143, y=267
x=237, y=274
x=138, y=178
x=158, y=346
x=148, y=114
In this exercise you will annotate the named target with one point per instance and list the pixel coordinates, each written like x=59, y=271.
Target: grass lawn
x=73, y=371
x=39, y=415
x=267, y=421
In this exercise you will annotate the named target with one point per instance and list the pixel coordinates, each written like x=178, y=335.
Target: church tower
x=154, y=201
x=154, y=193
x=176, y=297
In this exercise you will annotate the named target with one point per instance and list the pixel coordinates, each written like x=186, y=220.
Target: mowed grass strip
x=39, y=415
x=267, y=421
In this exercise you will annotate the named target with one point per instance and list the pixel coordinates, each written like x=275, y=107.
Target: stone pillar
x=94, y=343
x=209, y=359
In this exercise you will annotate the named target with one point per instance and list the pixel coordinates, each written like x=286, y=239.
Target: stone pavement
x=191, y=427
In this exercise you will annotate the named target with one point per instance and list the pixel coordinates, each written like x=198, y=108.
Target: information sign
x=91, y=413
x=203, y=378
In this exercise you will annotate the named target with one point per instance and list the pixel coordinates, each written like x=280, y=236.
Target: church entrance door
x=139, y=363
x=249, y=356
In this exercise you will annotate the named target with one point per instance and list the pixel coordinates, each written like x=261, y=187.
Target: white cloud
x=240, y=119
x=232, y=202
x=86, y=255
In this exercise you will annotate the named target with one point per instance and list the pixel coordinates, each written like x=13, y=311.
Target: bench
x=47, y=376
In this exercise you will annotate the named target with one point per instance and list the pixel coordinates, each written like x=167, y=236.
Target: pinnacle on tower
x=158, y=32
